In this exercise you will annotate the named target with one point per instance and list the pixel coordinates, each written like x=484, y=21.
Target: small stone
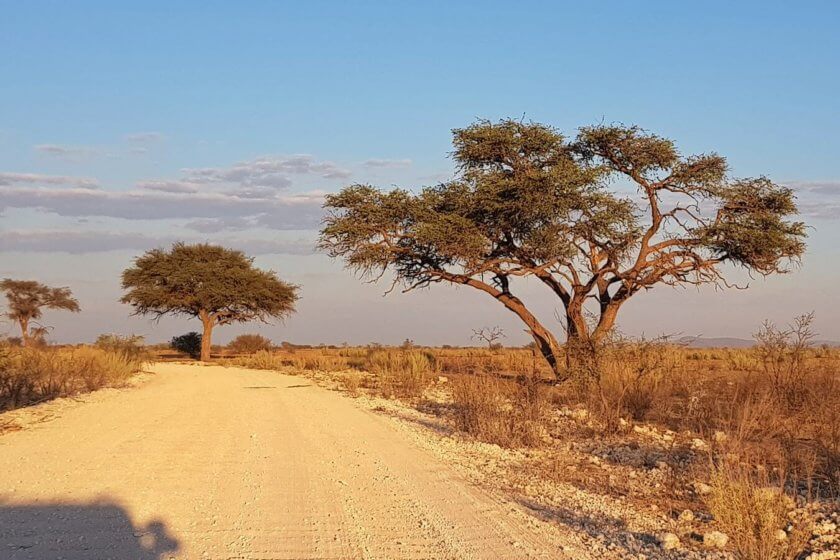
x=781, y=535
x=702, y=489
x=715, y=539
x=669, y=541
x=686, y=516
x=698, y=444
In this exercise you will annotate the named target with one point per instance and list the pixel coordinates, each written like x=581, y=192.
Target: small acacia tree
x=489, y=335
x=27, y=300
x=528, y=202
x=219, y=286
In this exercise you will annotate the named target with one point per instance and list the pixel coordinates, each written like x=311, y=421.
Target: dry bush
x=260, y=360
x=401, y=373
x=352, y=382
x=316, y=361
x=131, y=346
x=626, y=379
x=755, y=515
x=782, y=354
x=29, y=375
x=249, y=344
x=509, y=414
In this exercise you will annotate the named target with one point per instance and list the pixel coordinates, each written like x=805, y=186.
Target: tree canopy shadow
x=75, y=531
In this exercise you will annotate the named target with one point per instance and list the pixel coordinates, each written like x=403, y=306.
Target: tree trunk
x=550, y=350
x=206, y=337
x=24, y=332
x=546, y=343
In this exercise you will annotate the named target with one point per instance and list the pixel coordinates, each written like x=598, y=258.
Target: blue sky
x=123, y=128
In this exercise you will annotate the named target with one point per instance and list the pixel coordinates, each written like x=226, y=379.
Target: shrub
x=130, y=346
x=755, y=515
x=249, y=344
x=401, y=373
x=189, y=343
x=782, y=354
x=506, y=413
x=29, y=375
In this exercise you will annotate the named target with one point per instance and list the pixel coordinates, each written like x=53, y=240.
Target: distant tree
x=249, y=343
x=217, y=285
x=27, y=300
x=490, y=335
x=188, y=343
x=528, y=202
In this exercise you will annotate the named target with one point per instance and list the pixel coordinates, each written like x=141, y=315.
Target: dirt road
x=212, y=462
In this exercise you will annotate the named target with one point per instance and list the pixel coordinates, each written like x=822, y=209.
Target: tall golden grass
x=30, y=375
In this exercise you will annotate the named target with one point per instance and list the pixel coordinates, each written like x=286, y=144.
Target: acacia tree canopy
x=526, y=201
x=26, y=301
x=218, y=285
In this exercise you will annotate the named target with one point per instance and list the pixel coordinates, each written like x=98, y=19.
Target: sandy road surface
x=210, y=462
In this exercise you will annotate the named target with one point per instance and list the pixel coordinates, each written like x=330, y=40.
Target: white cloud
x=75, y=242
x=267, y=171
x=66, y=152
x=168, y=186
x=831, y=188
x=144, y=137
x=387, y=163
x=40, y=179
x=294, y=211
x=213, y=225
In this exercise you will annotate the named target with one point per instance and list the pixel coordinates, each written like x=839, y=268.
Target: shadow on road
x=101, y=529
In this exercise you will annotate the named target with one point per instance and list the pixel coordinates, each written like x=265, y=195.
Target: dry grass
x=30, y=375
x=401, y=373
x=509, y=414
x=756, y=516
x=779, y=408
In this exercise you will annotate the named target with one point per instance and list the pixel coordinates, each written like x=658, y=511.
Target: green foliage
x=250, y=344
x=528, y=202
x=191, y=279
x=189, y=343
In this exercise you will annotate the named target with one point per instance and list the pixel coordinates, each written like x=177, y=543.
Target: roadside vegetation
x=742, y=445
x=32, y=375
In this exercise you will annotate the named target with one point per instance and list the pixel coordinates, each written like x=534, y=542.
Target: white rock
x=702, y=489
x=781, y=535
x=699, y=445
x=669, y=541
x=715, y=539
x=686, y=516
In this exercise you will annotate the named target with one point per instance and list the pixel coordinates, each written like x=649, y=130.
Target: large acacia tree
x=527, y=201
x=220, y=286
x=27, y=300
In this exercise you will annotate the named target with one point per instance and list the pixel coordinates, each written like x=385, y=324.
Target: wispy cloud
x=67, y=152
x=387, y=163
x=41, y=179
x=76, y=242
x=267, y=171
x=213, y=225
x=144, y=137
x=830, y=188
x=168, y=186
x=294, y=211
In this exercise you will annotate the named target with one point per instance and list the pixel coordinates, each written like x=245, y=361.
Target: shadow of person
x=99, y=530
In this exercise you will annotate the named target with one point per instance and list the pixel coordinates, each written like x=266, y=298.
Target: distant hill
x=727, y=342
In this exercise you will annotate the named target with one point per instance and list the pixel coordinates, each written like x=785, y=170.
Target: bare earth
x=212, y=462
